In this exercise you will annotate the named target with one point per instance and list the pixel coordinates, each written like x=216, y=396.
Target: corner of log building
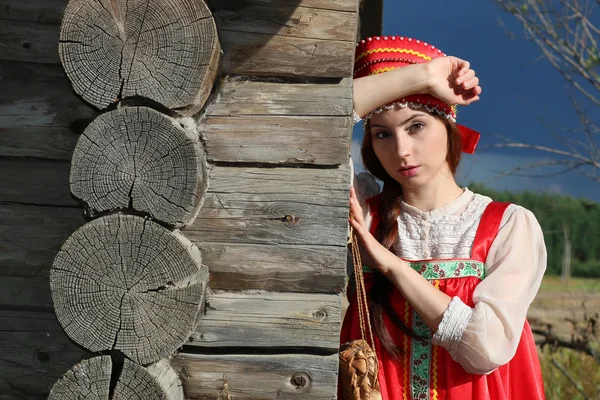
x=174, y=196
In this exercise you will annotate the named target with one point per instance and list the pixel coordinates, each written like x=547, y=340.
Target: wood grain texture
x=26, y=41
x=265, y=377
x=163, y=50
x=261, y=54
x=44, y=11
x=122, y=282
x=259, y=228
x=88, y=379
x=270, y=320
x=308, y=42
x=290, y=268
x=46, y=117
x=277, y=139
x=34, y=181
x=237, y=97
x=35, y=352
x=139, y=159
x=40, y=116
x=30, y=237
x=291, y=20
x=275, y=206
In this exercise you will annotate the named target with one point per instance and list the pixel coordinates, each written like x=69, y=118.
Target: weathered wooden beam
x=293, y=20
x=274, y=206
x=283, y=39
x=35, y=352
x=281, y=376
x=51, y=11
x=44, y=11
x=40, y=116
x=31, y=237
x=238, y=96
x=291, y=268
x=33, y=181
x=278, y=140
x=268, y=320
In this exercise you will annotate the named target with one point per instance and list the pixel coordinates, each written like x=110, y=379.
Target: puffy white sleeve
x=355, y=117
x=485, y=337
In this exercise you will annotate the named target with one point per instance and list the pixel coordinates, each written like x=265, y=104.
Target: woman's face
x=411, y=145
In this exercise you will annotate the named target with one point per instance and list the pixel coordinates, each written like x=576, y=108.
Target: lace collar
x=449, y=209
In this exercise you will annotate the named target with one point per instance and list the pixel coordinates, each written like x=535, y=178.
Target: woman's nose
x=402, y=146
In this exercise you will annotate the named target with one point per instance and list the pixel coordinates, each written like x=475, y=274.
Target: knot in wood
x=320, y=314
x=290, y=218
x=300, y=380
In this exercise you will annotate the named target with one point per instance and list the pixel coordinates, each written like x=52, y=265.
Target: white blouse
x=486, y=336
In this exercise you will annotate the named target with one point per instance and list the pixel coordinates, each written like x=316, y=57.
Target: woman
x=449, y=273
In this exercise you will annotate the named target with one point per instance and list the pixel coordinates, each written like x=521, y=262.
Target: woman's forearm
x=429, y=302
x=371, y=92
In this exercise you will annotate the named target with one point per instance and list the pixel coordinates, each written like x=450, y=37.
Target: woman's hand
x=380, y=257
x=452, y=80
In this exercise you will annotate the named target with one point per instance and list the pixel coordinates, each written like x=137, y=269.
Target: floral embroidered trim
x=445, y=269
x=420, y=360
x=449, y=269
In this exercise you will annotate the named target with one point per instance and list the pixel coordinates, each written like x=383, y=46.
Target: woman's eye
x=416, y=126
x=382, y=135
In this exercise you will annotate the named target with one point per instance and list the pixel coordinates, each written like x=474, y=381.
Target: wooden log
x=292, y=19
x=34, y=181
x=306, y=45
x=31, y=236
x=274, y=206
x=39, y=114
x=96, y=377
x=126, y=283
x=270, y=320
x=140, y=159
x=237, y=96
x=89, y=379
x=290, y=268
x=242, y=228
x=44, y=11
x=278, y=140
x=35, y=353
x=246, y=377
x=28, y=42
x=158, y=381
x=248, y=54
x=51, y=11
x=164, y=50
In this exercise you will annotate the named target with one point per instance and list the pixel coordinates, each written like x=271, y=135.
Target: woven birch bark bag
x=358, y=360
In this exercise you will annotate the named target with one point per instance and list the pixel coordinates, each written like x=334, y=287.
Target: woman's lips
x=409, y=172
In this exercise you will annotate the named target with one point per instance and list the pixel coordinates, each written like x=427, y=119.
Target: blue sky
x=522, y=93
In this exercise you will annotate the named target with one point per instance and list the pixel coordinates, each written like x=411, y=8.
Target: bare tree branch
x=566, y=375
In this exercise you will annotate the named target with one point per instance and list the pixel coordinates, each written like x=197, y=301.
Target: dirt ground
x=556, y=307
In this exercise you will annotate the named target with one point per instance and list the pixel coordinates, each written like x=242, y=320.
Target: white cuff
x=454, y=322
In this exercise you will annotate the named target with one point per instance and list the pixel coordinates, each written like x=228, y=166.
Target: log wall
x=272, y=230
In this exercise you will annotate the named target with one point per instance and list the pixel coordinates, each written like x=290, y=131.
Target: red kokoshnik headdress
x=375, y=55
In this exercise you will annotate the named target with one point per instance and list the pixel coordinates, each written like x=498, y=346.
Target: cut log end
x=166, y=50
x=125, y=283
x=138, y=158
x=102, y=379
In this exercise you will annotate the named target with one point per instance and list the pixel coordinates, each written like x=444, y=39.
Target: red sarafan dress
x=428, y=371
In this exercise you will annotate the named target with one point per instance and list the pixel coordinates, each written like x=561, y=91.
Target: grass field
x=558, y=300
